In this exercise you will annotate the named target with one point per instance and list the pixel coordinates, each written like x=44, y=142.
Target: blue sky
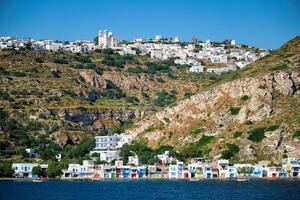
x=261, y=23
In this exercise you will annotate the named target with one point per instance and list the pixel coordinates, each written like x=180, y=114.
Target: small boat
x=37, y=181
x=194, y=179
x=242, y=179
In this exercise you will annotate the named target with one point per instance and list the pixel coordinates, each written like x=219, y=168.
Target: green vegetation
x=257, y=134
x=245, y=97
x=164, y=99
x=198, y=131
x=85, y=146
x=132, y=99
x=234, y=110
x=153, y=68
x=6, y=169
x=296, y=134
x=55, y=169
x=135, y=70
x=237, y=134
x=38, y=171
x=280, y=67
x=204, y=140
x=232, y=149
x=272, y=127
x=60, y=60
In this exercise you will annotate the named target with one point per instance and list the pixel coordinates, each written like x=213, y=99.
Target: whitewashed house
x=24, y=170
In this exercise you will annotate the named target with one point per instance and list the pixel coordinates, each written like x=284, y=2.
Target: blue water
x=142, y=189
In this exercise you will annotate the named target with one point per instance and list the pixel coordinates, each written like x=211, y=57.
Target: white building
x=108, y=147
x=133, y=160
x=24, y=170
x=158, y=37
x=197, y=69
x=165, y=158
x=176, y=39
x=107, y=40
x=86, y=170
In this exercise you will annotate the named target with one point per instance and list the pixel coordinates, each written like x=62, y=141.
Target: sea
x=151, y=189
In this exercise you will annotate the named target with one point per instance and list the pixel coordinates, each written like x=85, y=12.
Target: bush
x=18, y=74
x=272, y=127
x=83, y=59
x=244, y=97
x=132, y=99
x=232, y=149
x=54, y=170
x=198, y=130
x=257, y=134
x=153, y=68
x=237, y=134
x=135, y=70
x=187, y=94
x=37, y=171
x=6, y=169
x=204, y=140
x=234, y=110
x=39, y=60
x=296, y=134
x=60, y=60
x=280, y=67
x=164, y=99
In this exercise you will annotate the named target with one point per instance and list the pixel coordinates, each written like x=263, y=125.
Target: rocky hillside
x=252, y=115
x=65, y=96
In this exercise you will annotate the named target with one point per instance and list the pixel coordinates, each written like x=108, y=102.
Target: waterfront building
x=292, y=167
x=86, y=170
x=108, y=147
x=257, y=171
x=24, y=170
x=142, y=171
x=176, y=170
x=223, y=168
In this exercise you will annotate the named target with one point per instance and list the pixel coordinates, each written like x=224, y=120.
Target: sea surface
x=151, y=189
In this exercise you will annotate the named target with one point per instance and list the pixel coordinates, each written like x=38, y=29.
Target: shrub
x=164, y=99
x=132, y=99
x=135, y=70
x=6, y=169
x=232, y=149
x=257, y=134
x=39, y=59
x=187, y=94
x=153, y=68
x=204, y=140
x=296, y=134
x=280, y=67
x=245, y=97
x=37, y=171
x=272, y=127
x=198, y=130
x=234, y=110
x=83, y=59
x=18, y=74
x=4, y=95
x=60, y=60
x=237, y=134
x=160, y=80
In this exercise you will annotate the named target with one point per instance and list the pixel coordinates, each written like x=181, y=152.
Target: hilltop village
x=73, y=133
x=213, y=57
x=106, y=163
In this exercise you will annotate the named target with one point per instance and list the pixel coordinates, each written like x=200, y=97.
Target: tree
x=6, y=170
x=37, y=171
x=54, y=170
